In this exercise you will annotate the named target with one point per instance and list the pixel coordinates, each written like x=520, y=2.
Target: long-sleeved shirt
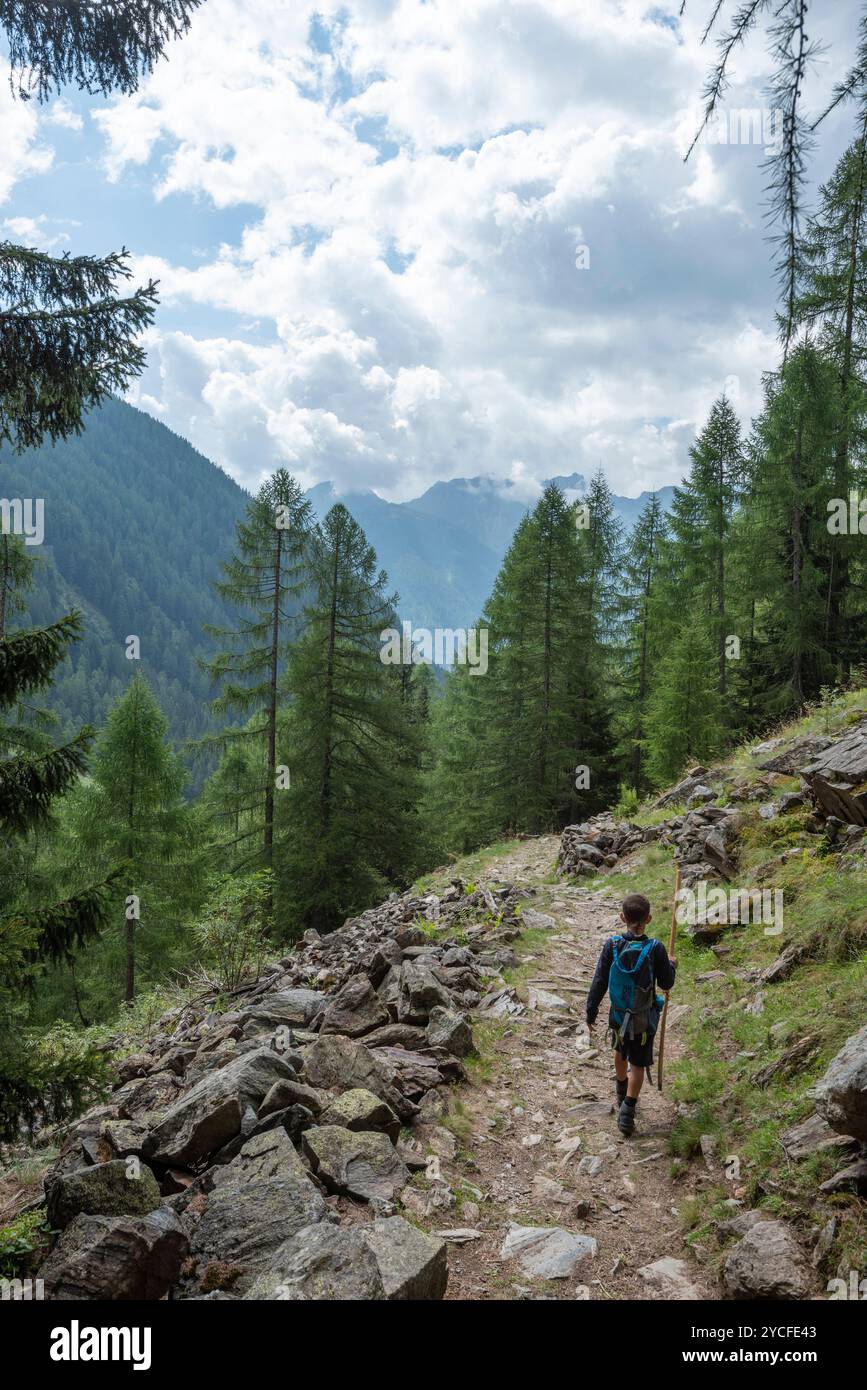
x=663, y=972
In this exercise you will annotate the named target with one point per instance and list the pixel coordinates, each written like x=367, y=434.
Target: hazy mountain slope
x=136, y=522
x=441, y=572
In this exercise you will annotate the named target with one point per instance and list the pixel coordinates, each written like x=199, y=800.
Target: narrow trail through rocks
x=541, y=1145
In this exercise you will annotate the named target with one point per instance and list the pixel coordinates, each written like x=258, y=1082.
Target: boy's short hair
x=635, y=908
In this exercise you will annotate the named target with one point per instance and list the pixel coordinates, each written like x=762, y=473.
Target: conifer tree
x=68, y=337
x=16, y=575
x=701, y=522
x=265, y=579
x=792, y=485
x=132, y=811
x=684, y=720
x=833, y=297
x=641, y=648
x=101, y=48
x=350, y=778
x=35, y=1081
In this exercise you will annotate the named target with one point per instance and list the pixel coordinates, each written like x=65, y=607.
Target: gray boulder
x=360, y=1110
x=450, y=1030
x=289, y=1008
x=768, y=1263
x=356, y=1009
x=123, y=1137
x=419, y=992
x=841, y=1095
x=321, y=1263
x=547, y=1252
x=413, y=1264
x=670, y=1279
x=336, y=1063
x=361, y=1164
x=288, y=1092
x=113, y=1258
x=106, y=1189
x=255, y=1203
x=210, y=1114
x=813, y=1135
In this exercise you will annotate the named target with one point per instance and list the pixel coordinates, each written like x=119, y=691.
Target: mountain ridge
x=138, y=521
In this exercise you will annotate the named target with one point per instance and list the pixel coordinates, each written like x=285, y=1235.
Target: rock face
x=841, y=1095
x=768, y=1263
x=116, y=1257
x=106, y=1189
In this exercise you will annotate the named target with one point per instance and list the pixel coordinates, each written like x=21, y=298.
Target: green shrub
x=232, y=930
x=20, y=1241
x=628, y=803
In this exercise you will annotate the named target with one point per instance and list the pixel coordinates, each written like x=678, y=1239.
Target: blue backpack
x=635, y=1005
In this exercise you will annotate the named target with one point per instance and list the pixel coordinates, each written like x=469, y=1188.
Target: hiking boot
x=626, y=1118
x=621, y=1090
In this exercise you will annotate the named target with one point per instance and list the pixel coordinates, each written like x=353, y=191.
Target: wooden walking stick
x=665, y=1005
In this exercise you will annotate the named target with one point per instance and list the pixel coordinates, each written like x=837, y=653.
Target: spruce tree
x=793, y=482
x=684, y=719
x=700, y=524
x=36, y=1081
x=344, y=812
x=68, y=337
x=833, y=298
x=641, y=647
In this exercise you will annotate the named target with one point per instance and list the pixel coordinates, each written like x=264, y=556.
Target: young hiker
x=629, y=969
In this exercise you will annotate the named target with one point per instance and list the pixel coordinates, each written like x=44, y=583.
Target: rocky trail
x=541, y=1148
x=412, y=1108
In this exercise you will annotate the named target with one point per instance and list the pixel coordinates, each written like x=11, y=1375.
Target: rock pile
x=702, y=838
x=220, y=1162
x=768, y=1260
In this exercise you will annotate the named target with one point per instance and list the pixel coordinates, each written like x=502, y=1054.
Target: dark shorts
x=637, y=1054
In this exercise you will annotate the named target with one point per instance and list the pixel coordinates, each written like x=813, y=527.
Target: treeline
x=618, y=660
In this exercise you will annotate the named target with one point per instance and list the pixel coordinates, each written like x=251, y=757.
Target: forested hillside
x=135, y=524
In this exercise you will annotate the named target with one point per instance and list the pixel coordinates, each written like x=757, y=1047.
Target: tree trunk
x=272, y=708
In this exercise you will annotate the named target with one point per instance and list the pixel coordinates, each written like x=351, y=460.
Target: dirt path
x=518, y=1160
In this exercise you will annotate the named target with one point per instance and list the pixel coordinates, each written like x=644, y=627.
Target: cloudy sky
x=406, y=240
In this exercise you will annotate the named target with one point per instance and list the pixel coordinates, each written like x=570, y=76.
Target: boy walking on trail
x=629, y=969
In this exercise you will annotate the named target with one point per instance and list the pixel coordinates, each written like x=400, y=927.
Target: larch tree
x=265, y=580
x=131, y=810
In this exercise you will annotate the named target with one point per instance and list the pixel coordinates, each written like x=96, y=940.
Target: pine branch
x=28, y=658
x=102, y=47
